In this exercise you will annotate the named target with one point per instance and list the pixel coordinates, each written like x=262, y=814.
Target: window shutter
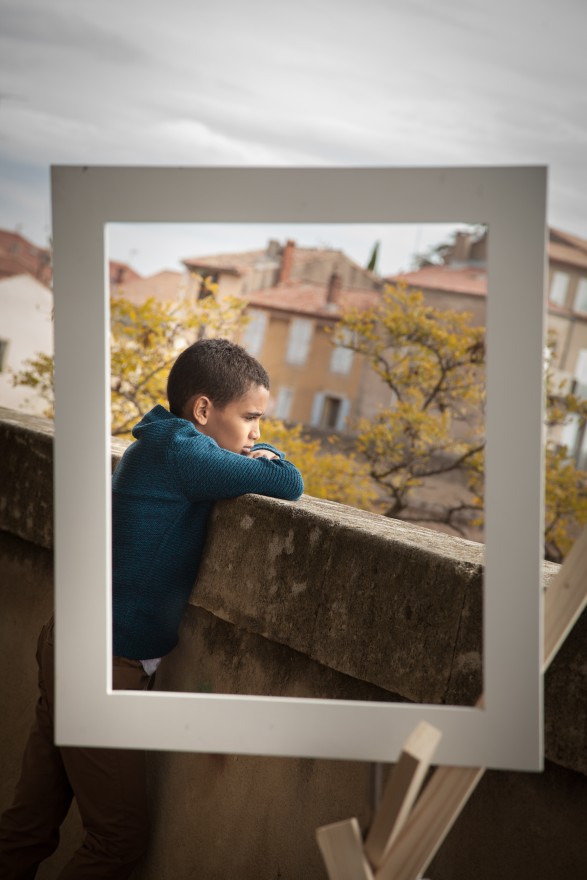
x=317, y=409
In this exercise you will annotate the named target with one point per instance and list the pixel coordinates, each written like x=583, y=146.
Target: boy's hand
x=262, y=453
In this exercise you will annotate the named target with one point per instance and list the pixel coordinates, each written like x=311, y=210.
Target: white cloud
x=357, y=83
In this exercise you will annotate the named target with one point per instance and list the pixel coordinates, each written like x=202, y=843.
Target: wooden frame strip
x=341, y=845
x=401, y=791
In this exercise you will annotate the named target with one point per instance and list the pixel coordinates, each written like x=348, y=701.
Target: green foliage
x=372, y=264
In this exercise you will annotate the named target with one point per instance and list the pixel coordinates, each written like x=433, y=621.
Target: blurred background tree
x=432, y=362
x=145, y=339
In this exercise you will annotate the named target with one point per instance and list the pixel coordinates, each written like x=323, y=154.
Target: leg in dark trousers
x=108, y=784
x=29, y=830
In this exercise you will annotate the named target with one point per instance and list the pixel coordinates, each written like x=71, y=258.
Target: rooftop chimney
x=286, y=261
x=462, y=247
x=334, y=285
x=273, y=248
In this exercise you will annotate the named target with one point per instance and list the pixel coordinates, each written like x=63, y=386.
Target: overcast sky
x=326, y=82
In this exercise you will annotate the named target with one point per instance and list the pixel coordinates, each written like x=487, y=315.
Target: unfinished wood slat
x=341, y=846
x=450, y=787
x=401, y=791
x=432, y=818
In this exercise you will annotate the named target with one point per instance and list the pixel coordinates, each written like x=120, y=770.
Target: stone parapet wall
x=387, y=603
x=304, y=599
x=380, y=600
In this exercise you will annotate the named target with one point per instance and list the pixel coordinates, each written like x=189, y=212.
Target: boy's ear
x=201, y=409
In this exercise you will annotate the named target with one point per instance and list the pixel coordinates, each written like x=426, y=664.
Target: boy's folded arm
x=269, y=448
x=208, y=472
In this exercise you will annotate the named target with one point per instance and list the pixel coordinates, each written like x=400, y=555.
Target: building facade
x=26, y=329
x=295, y=298
x=460, y=282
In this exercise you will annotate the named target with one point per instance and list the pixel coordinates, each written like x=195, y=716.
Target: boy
x=203, y=449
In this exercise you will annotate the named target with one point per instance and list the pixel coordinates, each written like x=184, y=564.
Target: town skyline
x=350, y=84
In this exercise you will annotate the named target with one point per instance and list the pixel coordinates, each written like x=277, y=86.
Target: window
x=3, y=353
x=329, y=411
x=568, y=434
x=581, y=456
x=254, y=333
x=558, y=288
x=283, y=403
x=581, y=296
x=342, y=358
x=580, y=383
x=208, y=285
x=300, y=334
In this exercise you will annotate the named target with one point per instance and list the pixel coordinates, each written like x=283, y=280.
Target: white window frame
x=4, y=346
x=318, y=406
x=301, y=331
x=569, y=434
x=253, y=336
x=559, y=288
x=508, y=731
x=341, y=359
x=283, y=403
x=580, y=304
x=580, y=371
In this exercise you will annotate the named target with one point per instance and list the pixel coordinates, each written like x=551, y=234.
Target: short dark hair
x=218, y=368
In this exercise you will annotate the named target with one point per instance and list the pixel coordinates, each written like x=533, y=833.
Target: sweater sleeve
x=206, y=472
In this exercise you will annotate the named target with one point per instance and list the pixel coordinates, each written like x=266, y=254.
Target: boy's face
x=236, y=426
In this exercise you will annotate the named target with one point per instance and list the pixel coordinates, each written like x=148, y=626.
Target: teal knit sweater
x=163, y=490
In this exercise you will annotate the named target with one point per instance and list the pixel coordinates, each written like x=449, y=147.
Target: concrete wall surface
x=304, y=599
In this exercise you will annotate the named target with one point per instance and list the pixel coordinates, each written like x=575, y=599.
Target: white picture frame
x=508, y=732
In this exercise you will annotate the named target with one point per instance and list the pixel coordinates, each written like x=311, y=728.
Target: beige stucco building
x=295, y=297
x=26, y=330
x=460, y=282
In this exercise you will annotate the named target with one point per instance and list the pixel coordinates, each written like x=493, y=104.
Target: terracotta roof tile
x=164, y=286
x=467, y=280
x=232, y=264
x=243, y=262
x=120, y=273
x=566, y=237
x=303, y=298
x=18, y=255
x=564, y=253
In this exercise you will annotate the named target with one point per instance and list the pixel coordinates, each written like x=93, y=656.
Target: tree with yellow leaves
x=432, y=362
x=335, y=476
x=565, y=498
x=145, y=339
x=565, y=502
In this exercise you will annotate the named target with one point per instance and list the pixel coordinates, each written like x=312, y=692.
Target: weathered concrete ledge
x=380, y=601
x=26, y=476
